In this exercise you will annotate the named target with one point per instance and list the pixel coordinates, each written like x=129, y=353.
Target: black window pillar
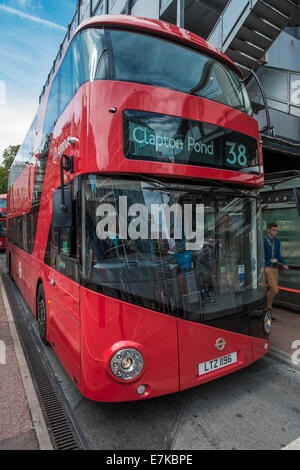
x=78, y=11
x=180, y=13
x=128, y=7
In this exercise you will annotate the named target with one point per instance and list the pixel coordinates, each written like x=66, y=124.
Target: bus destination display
x=163, y=138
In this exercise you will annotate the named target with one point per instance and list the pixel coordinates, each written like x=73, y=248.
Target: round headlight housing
x=127, y=364
x=268, y=322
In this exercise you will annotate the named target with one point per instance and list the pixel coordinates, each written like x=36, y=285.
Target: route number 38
x=238, y=154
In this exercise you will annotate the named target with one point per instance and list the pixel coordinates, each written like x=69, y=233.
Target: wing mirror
x=62, y=199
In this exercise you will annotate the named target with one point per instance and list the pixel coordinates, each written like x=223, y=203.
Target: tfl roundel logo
x=220, y=344
x=20, y=270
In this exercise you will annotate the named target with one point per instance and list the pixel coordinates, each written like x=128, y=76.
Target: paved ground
x=286, y=329
x=22, y=424
x=16, y=426
x=255, y=408
x=258, y=408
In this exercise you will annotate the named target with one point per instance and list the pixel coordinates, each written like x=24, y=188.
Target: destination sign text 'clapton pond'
x=163, y=138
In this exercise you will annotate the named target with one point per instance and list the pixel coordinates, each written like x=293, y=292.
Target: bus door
x=64, y=315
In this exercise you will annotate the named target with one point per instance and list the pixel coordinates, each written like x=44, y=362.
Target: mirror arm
x=62, y=189
x=269, y=128
x=69, y=167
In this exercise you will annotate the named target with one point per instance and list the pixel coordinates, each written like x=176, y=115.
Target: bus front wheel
x=9, y=265
x=42, y=313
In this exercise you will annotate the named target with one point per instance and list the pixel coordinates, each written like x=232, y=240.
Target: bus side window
x=66, y=81
x=61, y=251
x=90, y=57
x=66, y=247
x=51, y=113
x=23, y=156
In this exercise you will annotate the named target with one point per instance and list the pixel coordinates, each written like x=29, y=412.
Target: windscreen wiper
x=233, y=190
x=162, y=185
x=177, y=187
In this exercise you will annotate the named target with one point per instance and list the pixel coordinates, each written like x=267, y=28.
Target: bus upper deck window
x=162, y=63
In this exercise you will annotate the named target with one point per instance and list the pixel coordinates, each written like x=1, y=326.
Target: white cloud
x=2, y=93
x=24, y=3
x=33, y=4
x=34, y=19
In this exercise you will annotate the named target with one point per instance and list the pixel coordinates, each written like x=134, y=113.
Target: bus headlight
x=268, y=322
x=127, y=364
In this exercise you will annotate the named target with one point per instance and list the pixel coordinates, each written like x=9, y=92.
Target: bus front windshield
x=191, y=251
x=142, y=58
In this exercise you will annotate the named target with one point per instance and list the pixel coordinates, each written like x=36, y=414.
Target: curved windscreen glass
x=190, y=251
x=142, y=58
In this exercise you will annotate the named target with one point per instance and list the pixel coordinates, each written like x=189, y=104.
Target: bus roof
x=159, y=28
x=163, y=29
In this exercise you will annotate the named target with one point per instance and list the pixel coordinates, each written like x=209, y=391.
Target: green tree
x=3, y=179
x=9, y=155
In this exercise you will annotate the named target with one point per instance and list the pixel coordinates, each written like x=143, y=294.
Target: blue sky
x=30, y=34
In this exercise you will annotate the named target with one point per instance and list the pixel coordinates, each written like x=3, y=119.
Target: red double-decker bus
x=3, y=221
x=141, y=114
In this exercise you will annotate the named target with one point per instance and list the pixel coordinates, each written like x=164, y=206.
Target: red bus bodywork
x=85, y=328
x=3, y=198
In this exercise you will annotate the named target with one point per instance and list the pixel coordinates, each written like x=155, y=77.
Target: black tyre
x=9, y=265
x=41, y=311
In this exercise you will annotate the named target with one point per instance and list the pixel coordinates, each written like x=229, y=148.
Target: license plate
x=219, y=363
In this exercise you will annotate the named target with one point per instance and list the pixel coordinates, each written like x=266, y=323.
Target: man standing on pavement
x=272, y=259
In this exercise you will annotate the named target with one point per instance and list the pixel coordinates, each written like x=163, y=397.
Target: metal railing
x=282, y=90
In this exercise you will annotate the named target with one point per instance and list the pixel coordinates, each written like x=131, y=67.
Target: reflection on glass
x=220, y=277
x=158, y=62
